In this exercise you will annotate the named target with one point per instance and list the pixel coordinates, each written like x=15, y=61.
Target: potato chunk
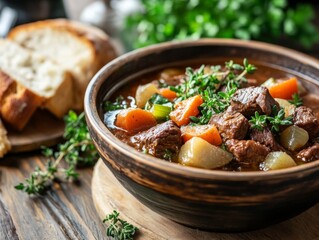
x=294, y=137
x=144, y=93
x=199, y=153
x=277, y=160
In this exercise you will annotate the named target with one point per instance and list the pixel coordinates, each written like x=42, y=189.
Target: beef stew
x=249, y=118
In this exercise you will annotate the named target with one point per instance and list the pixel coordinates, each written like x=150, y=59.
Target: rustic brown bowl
x=206, y=199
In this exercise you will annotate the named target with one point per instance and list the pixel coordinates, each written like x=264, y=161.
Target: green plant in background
x=265, y=20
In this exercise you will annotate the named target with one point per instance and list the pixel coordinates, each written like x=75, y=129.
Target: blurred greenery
x=265, y=20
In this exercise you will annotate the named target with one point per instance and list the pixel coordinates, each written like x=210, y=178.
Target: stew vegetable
x=218, y=117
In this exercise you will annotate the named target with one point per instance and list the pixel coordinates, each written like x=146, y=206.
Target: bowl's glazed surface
x=207, y=199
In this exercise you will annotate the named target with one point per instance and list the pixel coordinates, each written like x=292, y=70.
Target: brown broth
x=262, y=74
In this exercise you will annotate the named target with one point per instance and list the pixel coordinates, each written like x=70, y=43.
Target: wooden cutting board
x=108, y=194
x=43, y=129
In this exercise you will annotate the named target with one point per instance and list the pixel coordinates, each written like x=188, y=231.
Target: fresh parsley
x=271, y=21
x=77, y=150
x=119, y=229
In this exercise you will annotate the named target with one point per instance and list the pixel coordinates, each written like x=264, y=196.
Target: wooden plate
x=109, y=194
x=43, y=129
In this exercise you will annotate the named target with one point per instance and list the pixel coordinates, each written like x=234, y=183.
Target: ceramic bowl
x=205, y=199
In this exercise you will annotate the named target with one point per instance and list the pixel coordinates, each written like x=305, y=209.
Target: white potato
x=144, y=93
x=277, y=160
x=294, y=137
x=197, y=152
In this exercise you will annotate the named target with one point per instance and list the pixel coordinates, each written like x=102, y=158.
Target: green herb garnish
x=278, y=119
x=258, y=121
x=208, y=84
x=157, y=99
x=118, y=228
x=118, y=104
x=296, y=100
x=77, y=150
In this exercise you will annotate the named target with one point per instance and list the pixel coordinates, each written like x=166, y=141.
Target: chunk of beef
x=162, y=141
x=249, y=100
x=305, y=118
x=266, y=138
x=248, y=152
x=231, y=125
x=309, y=154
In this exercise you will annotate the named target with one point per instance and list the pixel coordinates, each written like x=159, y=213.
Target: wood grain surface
x=108, y=194
x=67, y=212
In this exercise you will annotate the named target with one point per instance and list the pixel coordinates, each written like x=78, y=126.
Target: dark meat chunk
x=305, y=118
x=249, y=100
x=231, y=125
x=266, y=138
x=248, y=152
x=309, y=154
x=162, y=141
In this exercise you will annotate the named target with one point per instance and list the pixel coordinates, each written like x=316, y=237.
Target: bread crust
x=5, y=144
x=95, y=39
x=17, y=103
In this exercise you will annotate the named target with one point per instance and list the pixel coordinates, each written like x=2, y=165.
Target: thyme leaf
x=119, y=229
x=77, y=150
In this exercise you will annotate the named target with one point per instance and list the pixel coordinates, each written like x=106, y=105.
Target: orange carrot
x=185, y=109
x=207, y=132
x=167, y=93
x=285, y=89
x=134, y=120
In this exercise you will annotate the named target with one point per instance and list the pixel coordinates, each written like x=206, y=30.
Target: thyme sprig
x=258, y=121
x=215, y=86
x=119, y=229
x=77, y=150
x=261, y=121
x=296, y=100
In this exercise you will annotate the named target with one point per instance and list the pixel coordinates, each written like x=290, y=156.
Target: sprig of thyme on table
x=119, y=229
x=77, y=150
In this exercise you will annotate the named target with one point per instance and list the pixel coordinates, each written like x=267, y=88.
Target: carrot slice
x=167, y=93
x=284, y=89
x=134, y=120
x=207, y=132
x=185, y=109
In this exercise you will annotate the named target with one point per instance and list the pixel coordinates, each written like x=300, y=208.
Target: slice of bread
x=5, y=145
x=29, y=80
x=79, y=48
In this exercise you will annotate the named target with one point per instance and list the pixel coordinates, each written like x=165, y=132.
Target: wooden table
x=67, y=212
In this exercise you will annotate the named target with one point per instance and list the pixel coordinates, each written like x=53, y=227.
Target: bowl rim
x=99, y=127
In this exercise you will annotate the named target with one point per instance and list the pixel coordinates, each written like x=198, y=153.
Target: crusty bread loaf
x=29, y=80
x=17, y=103
x=5, y=145
x=79, y=48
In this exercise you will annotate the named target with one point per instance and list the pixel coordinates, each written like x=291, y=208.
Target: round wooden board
x=43, y=129
x=108, y=194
